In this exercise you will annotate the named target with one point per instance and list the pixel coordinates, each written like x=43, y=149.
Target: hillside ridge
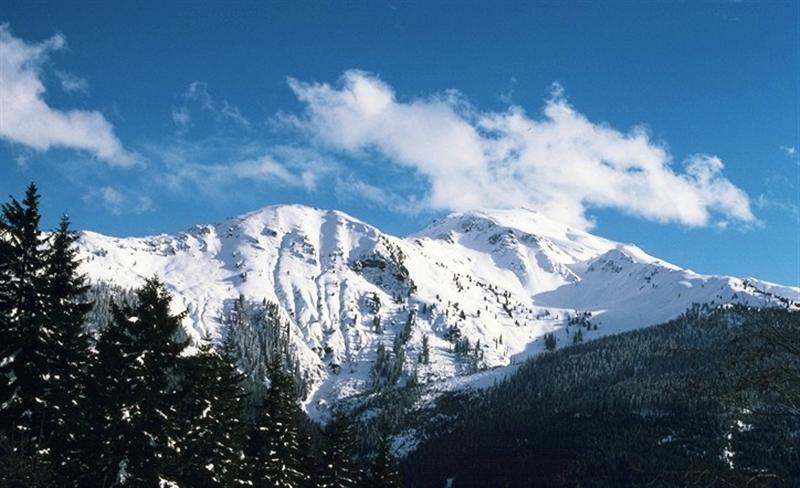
x=481, y=289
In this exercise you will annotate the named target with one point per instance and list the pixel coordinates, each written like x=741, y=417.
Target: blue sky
x=673, y=125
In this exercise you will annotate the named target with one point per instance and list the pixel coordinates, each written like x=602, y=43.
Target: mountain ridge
x=496, y=281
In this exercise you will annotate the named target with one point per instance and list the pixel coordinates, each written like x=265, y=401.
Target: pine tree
x=69, y=358
x=425, y=357
x=135, y=389
x=384, y=472
x=275, y=453
x=107, y=413
x=25, y=334
x=550, y=341
x=209, y=432
x=578, y=337
x=23, y=465
x=339, y=470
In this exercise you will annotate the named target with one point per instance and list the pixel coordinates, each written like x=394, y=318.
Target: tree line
x=125, y=398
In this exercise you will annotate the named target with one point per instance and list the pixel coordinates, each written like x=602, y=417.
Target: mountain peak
x=498, y=278
x=523, y=224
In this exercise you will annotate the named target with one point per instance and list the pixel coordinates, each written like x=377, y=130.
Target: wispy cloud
x=71, y=83
x=197, y=96
x=780, y=193
x=507, y=96
x=119, y=201
x=266, y=168
x=27, y=119
x=790, y=151
x=350, y=188
x=181, y=117
x=213, y=166
x=560, y=162
x=766, y=201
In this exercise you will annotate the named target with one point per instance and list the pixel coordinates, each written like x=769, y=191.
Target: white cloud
x=228, y=111
x=22, y=160
x=790, y=151
x=507, y=96
x=766, y=201
x=72, y=83
x=266, y=168
x=213, y=166
x=181, y=117
x=112, y=198
x=215, y=179
x=198, y=94
x=560, y=163
x=25, y=117
x=351, y=188
x=120, y=202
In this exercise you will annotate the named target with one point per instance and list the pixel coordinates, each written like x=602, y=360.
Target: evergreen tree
x=577, y=338
x=550, y=341
x=385, y=472
x=275, y=453
x=25, y=334
x=23, y=465
x=256, y=335
x=108, y=410
x=135, y=389
x=209, y=431
x=339, y=470
x=69, y=358
x=425, y=357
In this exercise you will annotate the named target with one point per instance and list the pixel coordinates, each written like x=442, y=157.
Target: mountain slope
x=483, y=287
x=678, y=404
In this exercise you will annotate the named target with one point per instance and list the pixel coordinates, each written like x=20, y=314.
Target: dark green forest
x=709, y=399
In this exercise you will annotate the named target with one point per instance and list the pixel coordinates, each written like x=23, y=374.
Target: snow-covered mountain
x=499, y=279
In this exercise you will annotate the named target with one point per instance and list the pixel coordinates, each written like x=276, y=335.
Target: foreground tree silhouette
x=275, y=448
x=208, y=427
x=44, y=349
x=69, y=360
x=385, y=472
x=24, y=329
x=339, y=470
x=135, y=389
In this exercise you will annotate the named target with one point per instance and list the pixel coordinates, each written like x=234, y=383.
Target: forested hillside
x=709, y=399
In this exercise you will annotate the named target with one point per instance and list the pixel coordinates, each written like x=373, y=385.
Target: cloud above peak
x=27, y=119
x=559, y=162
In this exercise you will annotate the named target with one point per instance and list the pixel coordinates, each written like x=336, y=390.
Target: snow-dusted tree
x=577, y=338
x=25, y=333
x=108, y=411
x=339, y=470
x=384, y=472
x=256, y=334
x=275, y=448
x=69, y=359
x=550, y=341
x=135, y=389
x=425, y=355
x=209, y=432
x=388, y=366
x=43, y=346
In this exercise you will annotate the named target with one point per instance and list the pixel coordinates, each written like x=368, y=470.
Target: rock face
x=480, y=288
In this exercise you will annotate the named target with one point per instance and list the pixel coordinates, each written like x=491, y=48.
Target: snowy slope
x=500, y=279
